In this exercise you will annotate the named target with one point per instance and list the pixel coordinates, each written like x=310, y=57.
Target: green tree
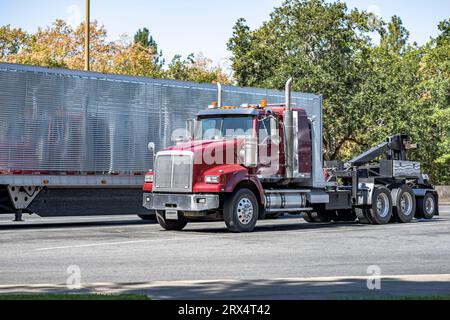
x=433, y=105
x=324, y=47
x=146, y=40
x=370, y=90
x=197, y=69
x=396, y=36
x=12, y=40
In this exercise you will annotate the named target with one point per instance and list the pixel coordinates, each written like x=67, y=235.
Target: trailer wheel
x=171, y=225
x=405, y=209
x=241, y=211
x=381, y=209
x=426, y=207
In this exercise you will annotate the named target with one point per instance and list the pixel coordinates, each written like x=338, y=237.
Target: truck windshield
x=225, y=127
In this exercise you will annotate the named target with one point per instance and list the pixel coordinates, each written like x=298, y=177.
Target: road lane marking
x=88, y=245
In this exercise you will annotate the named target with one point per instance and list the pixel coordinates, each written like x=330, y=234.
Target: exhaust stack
x=219, y=95
x=289, y=132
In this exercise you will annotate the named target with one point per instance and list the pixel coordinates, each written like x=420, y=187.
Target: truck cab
x=244, y=163
x=233, y=154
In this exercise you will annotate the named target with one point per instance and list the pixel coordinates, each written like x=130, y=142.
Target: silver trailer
x=75, y=143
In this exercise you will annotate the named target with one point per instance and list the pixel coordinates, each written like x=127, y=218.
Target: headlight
x=149, y=178
x=212, y=179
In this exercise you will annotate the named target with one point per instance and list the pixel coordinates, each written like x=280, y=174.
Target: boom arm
x=369, y=155
x=394, y=148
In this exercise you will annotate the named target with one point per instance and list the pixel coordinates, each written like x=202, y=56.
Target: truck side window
x=264, y=129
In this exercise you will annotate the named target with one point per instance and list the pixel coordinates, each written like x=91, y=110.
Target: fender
x=231, y=175
x=244, y=176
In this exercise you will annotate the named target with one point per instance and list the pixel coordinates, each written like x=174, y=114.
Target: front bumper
x=181, y=202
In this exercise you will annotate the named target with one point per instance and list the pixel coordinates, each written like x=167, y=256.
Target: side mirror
x=190, y=128
x=151, y=147
x=274, y=131
x=250, y=153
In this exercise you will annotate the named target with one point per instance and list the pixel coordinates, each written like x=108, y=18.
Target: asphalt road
x=285, y=258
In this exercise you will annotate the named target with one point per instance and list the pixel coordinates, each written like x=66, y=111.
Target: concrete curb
x=444, y=194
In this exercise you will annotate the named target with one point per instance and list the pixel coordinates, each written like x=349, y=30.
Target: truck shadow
x=69, y=225
x=279, y=226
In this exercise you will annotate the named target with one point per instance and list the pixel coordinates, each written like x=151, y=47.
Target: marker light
x=149, y=178
x=213, y=105
x=212, y=179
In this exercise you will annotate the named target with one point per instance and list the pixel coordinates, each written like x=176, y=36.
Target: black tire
x=171, y=225
x=241, y=210
x=345, y=216
x=380, y=212
x=363, y=215
x=423, y=209
x=405, y=205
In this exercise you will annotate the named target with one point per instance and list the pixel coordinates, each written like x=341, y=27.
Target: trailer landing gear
x=18, y=216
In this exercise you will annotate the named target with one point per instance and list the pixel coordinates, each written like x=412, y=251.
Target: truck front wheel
x=241, y=211
x=171, y=225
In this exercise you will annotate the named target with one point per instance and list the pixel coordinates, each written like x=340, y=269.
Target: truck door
x=268, y=147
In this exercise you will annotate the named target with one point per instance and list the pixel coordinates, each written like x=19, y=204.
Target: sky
x=201, y=26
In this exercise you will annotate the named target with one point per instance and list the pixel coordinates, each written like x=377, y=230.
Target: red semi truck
x=241, y=164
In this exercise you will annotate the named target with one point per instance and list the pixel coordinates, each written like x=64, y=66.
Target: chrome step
x=289, y=210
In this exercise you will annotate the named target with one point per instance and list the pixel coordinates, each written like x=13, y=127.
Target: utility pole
x=87, y=36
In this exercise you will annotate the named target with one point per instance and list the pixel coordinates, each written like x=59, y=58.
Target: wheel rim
x=406, y=204
x=429, y=205
x=382, y=205
x=245, y=211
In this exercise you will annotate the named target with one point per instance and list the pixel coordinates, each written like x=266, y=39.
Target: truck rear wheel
x=241, y=211
x=171, y=225
x=381, y=209
x=426, y=207
x=405, y=208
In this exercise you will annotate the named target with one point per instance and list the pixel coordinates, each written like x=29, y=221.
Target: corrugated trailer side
x=75, y=142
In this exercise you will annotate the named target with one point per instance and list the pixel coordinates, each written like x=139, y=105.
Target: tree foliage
x=196, y=68
x=370, y=90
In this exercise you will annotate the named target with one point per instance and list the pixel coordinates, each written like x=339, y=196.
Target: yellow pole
x=87, y=36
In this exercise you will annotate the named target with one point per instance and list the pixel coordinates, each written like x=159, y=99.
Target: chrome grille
x=173, y=172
